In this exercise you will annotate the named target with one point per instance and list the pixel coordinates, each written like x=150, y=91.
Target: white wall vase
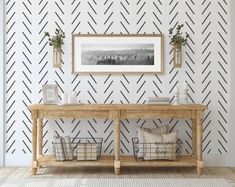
x=56, y=57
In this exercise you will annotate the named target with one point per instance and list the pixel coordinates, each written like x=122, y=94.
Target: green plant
x=177, y=38
x=56, y=41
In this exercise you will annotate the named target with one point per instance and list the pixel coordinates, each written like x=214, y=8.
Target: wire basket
x=66, y=148
x=157, y=150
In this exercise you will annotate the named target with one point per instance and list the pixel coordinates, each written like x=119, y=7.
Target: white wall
x=232, y=103
x=29, y=66
x=2, y=123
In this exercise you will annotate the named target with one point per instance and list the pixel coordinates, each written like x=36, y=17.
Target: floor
x=133, y=172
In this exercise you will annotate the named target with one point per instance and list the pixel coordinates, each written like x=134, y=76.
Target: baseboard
x=18, y=160
x=216, y=160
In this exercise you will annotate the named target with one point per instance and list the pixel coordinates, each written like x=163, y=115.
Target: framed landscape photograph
x=117, y=53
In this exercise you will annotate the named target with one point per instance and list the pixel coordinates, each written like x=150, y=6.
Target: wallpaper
x=206, y=63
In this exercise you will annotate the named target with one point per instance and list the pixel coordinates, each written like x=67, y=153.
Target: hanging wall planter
x=56, y=41
x=177, y=56
x=56, y=57
x=177, y=41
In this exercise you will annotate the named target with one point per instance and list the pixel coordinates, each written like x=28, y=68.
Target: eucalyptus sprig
x=177, y=38
x=56, y=41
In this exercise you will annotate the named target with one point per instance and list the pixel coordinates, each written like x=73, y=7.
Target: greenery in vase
x=177, y=38
x=56, y=41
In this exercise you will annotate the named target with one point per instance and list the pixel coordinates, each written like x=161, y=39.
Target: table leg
x=200, y=163
x=117, y=147
x=40, y=137
x=34, y=143
x=194, y=136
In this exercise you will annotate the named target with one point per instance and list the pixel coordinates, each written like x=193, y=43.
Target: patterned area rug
x=54, y=182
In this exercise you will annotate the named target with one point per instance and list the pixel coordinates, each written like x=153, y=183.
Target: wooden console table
x=117, y=112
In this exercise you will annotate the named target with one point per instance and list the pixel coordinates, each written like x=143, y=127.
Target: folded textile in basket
x=63, y=148
x=67, y=148
x=86, y=151
x=58, y=149
x=159, y=146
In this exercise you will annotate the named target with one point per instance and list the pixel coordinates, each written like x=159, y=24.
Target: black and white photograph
x=117, y=53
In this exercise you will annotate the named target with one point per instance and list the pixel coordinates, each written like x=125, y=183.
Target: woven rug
x=74, y=182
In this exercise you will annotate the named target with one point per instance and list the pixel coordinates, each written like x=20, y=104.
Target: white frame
x=79, y=39
x=50, y=93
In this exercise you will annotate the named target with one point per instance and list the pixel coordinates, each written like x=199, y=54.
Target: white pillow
x=158, y=131
x=170, y=145
x=159, y=146
x=163, y=130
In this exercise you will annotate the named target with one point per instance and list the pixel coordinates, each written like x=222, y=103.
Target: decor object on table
x=117, y=53
x=65, y=98
x=72, y=98
x=158, y=100
x=177, y=41
x=50, y=93
x=176, y=98
x=185, y=92
x=57, y=42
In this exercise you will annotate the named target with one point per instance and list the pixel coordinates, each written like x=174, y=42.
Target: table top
x=117, y=107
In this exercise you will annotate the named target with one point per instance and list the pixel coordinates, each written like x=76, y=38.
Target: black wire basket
x=65, y=148
x=157, y=150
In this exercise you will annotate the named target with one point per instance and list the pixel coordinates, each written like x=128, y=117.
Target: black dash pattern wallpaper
x=206, y=63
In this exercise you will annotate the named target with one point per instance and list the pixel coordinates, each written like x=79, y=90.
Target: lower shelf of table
x=184, y=161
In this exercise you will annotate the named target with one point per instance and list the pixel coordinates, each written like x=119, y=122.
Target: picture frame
x=117, y=53
x=50, y=93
